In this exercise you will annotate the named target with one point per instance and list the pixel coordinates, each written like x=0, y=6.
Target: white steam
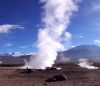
x=1, y=62
x=52, y=34
x=85, y=64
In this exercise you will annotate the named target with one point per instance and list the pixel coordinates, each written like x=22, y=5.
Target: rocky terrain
x=70, y=74
x=73, y=76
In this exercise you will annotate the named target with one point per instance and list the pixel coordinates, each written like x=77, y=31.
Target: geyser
x=52, y=35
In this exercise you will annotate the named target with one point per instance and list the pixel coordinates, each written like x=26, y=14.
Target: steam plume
x=85, y=64
x=52, y=34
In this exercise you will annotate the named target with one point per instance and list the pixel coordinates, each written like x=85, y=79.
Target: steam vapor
x=85, y=64
x=52, y=35
x=1, y=62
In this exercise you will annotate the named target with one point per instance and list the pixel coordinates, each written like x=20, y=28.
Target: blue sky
x=20, y=20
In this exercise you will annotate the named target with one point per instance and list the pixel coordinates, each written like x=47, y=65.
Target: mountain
x=11, y=59
x=91, y=52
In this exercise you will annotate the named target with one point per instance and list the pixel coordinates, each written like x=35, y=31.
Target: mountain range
x=91, y=52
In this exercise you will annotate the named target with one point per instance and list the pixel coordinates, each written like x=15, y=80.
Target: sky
x=20, y=21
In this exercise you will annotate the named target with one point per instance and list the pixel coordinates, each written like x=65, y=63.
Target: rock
x=27, y=71
x=57, y=78
x=23, y=71
x=51, y=68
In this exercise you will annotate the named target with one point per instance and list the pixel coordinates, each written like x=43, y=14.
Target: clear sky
x=20, y=20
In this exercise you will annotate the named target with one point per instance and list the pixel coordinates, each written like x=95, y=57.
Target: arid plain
x=75, y=76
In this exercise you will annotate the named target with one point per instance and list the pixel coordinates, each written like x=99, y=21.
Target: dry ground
x=76, y=76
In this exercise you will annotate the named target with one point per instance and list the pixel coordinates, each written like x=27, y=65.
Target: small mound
x=57, y=78
x=51, y=68
x=23, y=71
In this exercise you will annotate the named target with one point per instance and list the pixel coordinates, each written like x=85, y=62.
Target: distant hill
x=9, y=59
x=91, y=52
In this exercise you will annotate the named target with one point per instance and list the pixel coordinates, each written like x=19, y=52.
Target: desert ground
x=75, y=76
